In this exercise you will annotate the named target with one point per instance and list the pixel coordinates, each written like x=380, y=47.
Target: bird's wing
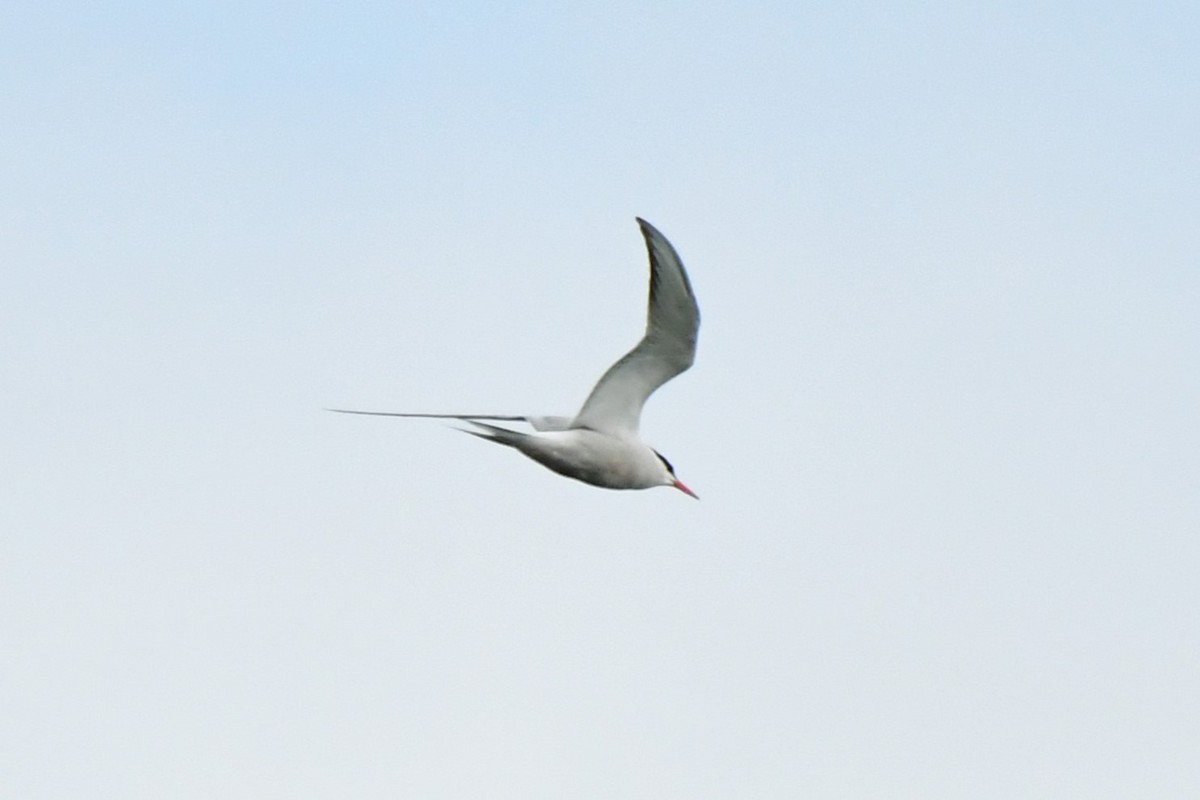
x=538, y=423
x=667, y=349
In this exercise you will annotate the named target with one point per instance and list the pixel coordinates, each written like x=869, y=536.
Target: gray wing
x=538, y=423
x=667, y=349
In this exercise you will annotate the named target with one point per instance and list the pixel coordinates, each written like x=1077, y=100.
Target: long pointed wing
x=538, y=423
x=667, y=349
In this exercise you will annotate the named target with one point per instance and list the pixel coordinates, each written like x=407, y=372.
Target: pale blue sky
x=943, y=419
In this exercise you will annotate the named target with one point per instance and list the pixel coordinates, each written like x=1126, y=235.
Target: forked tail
x=494, y=433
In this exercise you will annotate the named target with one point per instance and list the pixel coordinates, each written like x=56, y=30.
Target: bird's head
x=669, y=479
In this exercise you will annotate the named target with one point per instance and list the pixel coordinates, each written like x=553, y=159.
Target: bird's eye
x=666, y=463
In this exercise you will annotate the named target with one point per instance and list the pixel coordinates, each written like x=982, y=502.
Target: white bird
x=600, y=444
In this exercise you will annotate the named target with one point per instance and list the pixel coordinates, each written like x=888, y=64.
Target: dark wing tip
x=657, y=243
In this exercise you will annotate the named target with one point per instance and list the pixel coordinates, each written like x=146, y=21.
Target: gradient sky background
x=944, y=418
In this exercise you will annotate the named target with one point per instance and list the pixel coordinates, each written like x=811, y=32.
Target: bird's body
x=595, y=458
x=600, y=444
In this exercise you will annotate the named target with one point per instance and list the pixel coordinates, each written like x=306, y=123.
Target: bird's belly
x=595, y=459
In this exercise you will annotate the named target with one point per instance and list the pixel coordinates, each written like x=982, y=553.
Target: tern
x=600, y=444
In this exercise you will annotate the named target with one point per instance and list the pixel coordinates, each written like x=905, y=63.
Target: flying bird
x=600, y=444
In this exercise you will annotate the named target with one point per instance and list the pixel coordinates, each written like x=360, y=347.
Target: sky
x=943, y=417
